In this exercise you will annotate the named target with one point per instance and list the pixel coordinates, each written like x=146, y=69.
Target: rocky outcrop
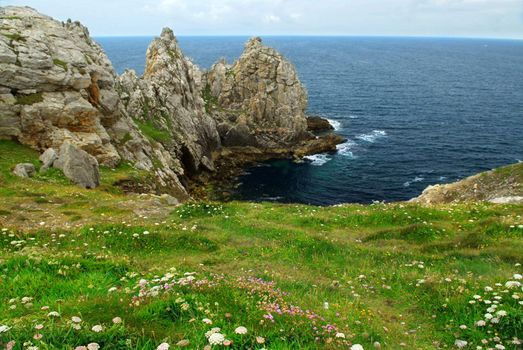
x=57, y=85
x=167, y=103
x=258, y=101
x=78, y=165
x=318, y=124
x=501, y=186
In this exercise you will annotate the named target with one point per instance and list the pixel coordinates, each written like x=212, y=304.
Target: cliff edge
x=502, y=186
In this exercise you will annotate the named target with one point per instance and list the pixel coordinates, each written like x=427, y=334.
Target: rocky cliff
x=57, y=86
x=258, y=101
x=503, y=186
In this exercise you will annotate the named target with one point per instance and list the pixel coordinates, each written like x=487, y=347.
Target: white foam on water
x=372, y=136
x=335, y=124
x=416, y=179
x=345, y=149
x=318, y=159
x=353, y=117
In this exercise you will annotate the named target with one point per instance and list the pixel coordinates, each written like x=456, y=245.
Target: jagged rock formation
x=502, y=186
x=258, y=101
x=318, y=124
x=168, y=100
x=58, y=87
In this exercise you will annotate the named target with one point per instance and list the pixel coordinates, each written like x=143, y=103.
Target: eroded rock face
x=56, y=84
x=168, y=100
x=258, y=101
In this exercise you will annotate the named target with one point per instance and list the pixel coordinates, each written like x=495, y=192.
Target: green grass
x=152, y=132
x=14, y=36
x=60, y=63
x=29, y=99
x=399, y=274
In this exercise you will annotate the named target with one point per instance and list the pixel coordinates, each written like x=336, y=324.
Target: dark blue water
x=416, y=111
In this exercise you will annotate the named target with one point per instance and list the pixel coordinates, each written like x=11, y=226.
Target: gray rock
x=262, y=92
x=24, y=170
x=47, y=158
x=78, y=165
x=170, y=200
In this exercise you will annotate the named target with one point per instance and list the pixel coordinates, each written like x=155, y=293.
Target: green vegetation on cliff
x=128, y=272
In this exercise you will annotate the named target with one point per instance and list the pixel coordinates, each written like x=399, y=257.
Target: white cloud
x=350, y=17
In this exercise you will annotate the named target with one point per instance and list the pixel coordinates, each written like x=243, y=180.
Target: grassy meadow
x=98, y=269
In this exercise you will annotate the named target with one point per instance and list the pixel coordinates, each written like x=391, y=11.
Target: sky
x=455, y=18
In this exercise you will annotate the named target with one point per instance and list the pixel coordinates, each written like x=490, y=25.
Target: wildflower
x=37, y=336
x=463, y=326
x=93, y=346
x=97, y=329
x=112, y=289
x=480, y=323
x=76, y=319
x=163, y=346
x=80, y=348
x=53, y=314
x=517, y=276
x=240, y=330
x=117, y=320
x=207, y=321
x=500, y=347
x=488, y=289
x=460, y=344
x=260, y=340
x=488, y=316
x=340, y=335
x=501, y=313
x=512, y=284
x=495, y=320
x=356, y=347
x=216, y=339
x=39, y=326
x=227, y=342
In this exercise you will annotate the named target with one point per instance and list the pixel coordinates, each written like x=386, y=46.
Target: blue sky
x=471, y=18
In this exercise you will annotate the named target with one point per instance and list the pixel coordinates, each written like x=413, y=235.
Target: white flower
x=340, y=335
x=53, y=314
x=500, y=347
x=97, y=329
x=517, y=276
x=501, y=313
x=163, y=346
x=117, y=320
x=512, y=284
x=76, y=319
x=216, y=339
x=488, y=316
x=356, y=347
x=207, y=321
x=488, y=289
x=477, y=297
x=4, y=328
x=495, y=320
x=460, y=344
x=480, y=323
x=93, y=346
x=463, y=326
x=240, y=330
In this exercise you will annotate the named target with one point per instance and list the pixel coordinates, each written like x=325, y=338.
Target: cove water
x=415, y=111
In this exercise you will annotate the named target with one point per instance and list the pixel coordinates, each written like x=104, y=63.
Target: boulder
x=78, y=165
x=48, y=158
x=24, y=170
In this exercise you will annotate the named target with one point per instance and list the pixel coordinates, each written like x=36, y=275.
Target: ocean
x=415, y=111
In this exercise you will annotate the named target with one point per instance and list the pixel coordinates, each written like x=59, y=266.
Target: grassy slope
x=399, y=274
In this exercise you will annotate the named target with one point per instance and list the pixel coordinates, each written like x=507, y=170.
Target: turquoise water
x=416, y=111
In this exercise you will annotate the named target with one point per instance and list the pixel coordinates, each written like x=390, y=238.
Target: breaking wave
x=318, y=159
x=372, y=136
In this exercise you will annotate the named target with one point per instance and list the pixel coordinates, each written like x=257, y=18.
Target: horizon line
x=316, y=36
